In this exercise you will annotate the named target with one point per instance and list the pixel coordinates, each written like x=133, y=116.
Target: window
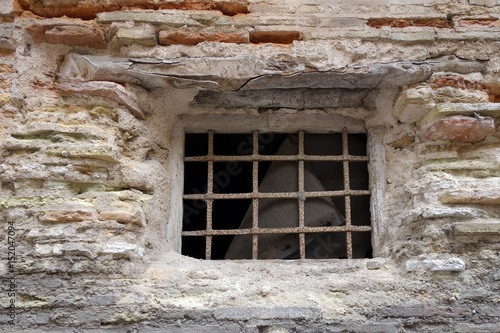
x=276, y=196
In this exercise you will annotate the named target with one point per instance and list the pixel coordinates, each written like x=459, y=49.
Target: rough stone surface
x=109, y=90
x=140, y=35
x=436, y=265
x=460, y=129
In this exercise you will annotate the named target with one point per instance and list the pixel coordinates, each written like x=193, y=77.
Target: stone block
x=488, y=3
x=173, y=20
x=435, y=265
x=212, y=19
x=98, y=152
x=460, y=129
x=413, y=104
x=426, y=311
x=139, y=35
x=67, y=215
x=413, y=37
x=484, y=196
x=78, y=249
x=123, y=249
x=475, y=328
x=123, y=217
x=463, y=109
x=468, y=35
x=476, y=228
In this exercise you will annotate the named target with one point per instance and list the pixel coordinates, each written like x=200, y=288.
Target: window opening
x=276, y=196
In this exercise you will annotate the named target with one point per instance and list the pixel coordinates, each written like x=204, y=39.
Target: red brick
x=479, y=23
x=180, y=37
x=457, y=82
x=277, y=37
x=461, y=129
x=88, y=10
x=74, y=35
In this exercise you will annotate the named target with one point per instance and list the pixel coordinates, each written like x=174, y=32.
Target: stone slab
x=484, y=196
x=426, y=311
x=478, y=227
x=295, y=313
x=287, y=98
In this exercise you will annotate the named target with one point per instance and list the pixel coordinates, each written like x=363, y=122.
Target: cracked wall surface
x=95, y=97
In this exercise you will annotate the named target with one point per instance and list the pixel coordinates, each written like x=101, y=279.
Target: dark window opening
x=276, y=196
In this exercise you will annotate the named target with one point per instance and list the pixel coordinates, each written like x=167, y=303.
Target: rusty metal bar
x=347, y=187
x=302, y=196
x=255, y=201
x=262, y=231
x=264, y=158
x=210, y=188
x=275, y=195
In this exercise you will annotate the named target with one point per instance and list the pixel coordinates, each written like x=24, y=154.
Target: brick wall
x=94, y=98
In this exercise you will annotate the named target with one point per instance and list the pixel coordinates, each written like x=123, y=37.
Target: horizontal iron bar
x=250, y=158
x=278, y=195
x=262, y=231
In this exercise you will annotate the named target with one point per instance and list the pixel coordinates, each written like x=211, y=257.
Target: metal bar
x=302, y=196
x=347, y=186
x=263, y=231
x=255, y=201
x=210, y=189
x=275, y=195
x=264, y=158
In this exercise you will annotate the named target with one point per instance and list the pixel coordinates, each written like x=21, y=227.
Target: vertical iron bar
x=302, y=196
x=210, y=189
x=255, y=190
x=347, y=186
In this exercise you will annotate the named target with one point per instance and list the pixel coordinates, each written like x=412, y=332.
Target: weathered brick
x=75, y=35
x=186, y=37
x=472, y=196
x=460, y=129
x=479, y=22
x=123, y=249
x=67, y=215
x=481, y=227
x=105, y=89
x=277, y=37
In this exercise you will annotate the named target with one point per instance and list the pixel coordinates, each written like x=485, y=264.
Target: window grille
x=204, y=199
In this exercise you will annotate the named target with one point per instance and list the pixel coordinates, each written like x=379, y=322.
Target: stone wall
x=95, y=97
